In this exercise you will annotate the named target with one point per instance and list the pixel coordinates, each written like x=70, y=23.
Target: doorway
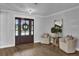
x=24, y=29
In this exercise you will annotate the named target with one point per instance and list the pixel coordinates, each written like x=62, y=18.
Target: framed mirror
x=58, y=22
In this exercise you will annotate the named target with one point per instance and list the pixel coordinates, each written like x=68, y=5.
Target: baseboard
x=36, y=41
x=77, y=49
x=6, y=46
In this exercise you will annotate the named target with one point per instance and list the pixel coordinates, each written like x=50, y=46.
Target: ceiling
x=42, y=9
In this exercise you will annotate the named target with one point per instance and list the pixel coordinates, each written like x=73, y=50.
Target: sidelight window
x=17, y=24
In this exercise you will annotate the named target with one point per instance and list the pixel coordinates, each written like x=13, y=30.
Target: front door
x=24, y=30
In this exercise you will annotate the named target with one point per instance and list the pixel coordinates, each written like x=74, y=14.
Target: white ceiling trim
x=17, y=12
x=9, y=11
x=63, y=11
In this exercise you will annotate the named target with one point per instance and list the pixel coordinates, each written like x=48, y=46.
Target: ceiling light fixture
x=30, y=10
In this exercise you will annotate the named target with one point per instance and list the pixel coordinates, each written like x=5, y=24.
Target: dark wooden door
x=24, y=30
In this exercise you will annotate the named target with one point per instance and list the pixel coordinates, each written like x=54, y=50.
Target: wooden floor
x=34, y=50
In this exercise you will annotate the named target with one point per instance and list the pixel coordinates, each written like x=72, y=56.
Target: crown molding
x=10, y=11
x=67, y=10
x=18, y=12
x=60, y=12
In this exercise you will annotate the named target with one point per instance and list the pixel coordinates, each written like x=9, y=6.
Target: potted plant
x=56, y=31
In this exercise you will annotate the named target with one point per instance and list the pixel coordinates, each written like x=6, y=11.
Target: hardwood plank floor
x=34, y=50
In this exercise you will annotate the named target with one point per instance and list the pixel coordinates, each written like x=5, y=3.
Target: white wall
x=70, y=23
x=37, y=29
x=7, y=28
x=0, y=28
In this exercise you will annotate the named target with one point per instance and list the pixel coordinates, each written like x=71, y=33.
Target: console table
x=55, y=41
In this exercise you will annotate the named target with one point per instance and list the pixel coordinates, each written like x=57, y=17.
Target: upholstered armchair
x=45, y=39
x=67, y=44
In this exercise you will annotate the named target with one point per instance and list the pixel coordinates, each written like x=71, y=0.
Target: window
x=17, y=24
x=32, y=27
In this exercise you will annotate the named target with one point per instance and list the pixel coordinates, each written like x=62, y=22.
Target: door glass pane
x=24, y=27
x=32, y=23
x=31, y=32
x=27, y=33
x=17, y=27
x=32, y=27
